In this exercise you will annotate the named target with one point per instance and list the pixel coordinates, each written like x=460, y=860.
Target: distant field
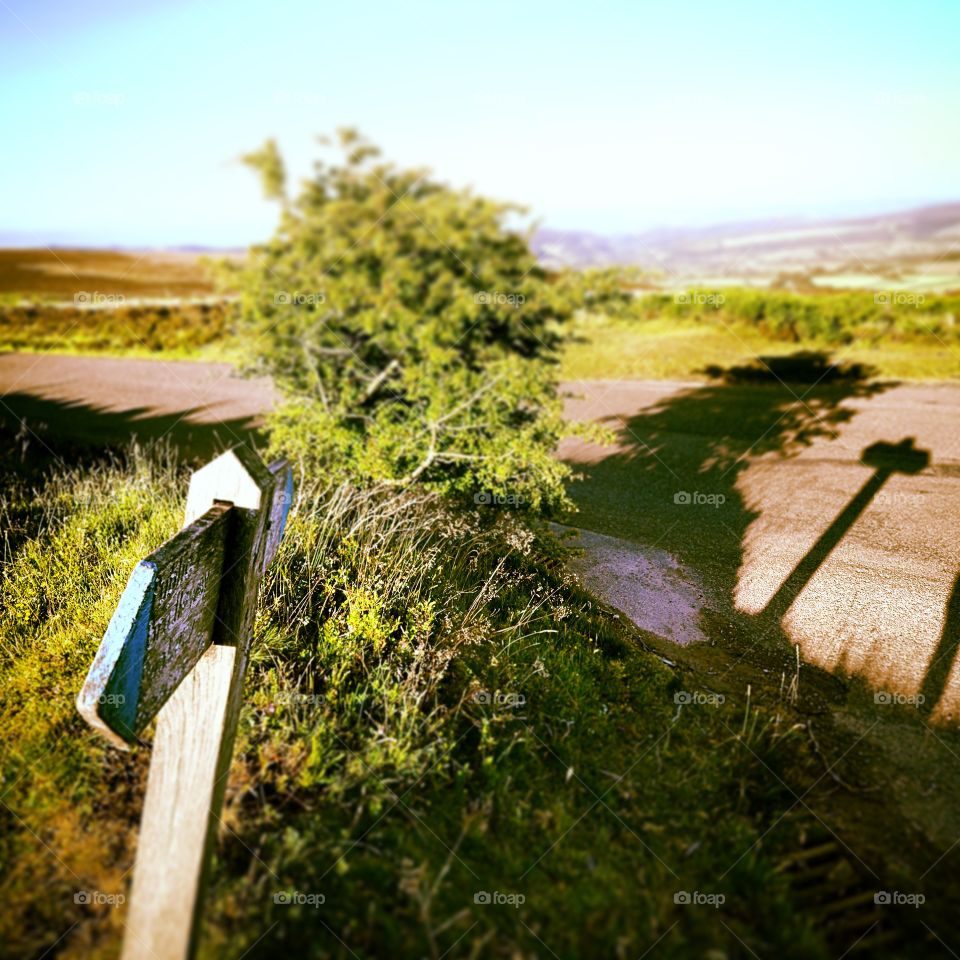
x=183, y=330
x=54, y=274
x=660, y=335
x=111, y=302
x=608, y=349
x=679, y=336
x=923, y=282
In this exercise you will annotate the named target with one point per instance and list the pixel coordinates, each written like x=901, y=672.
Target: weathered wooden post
x=177, y=649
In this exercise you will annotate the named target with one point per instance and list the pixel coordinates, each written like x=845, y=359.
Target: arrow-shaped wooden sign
x=162, y=625
x=176, y=650
x=165, y=619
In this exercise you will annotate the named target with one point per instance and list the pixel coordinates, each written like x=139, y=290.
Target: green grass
x=384, y=760
x=611, y=348
x=433, y=709
x=69, y=805
x=680, y=335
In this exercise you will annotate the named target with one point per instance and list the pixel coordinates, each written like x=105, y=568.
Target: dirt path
x=827, y=521
x=765, y=492
x=199, y=405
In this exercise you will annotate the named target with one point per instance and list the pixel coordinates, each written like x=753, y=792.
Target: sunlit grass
x=376, y=739
x=672, y=349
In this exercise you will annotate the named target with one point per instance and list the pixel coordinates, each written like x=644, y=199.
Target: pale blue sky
x=122, y=121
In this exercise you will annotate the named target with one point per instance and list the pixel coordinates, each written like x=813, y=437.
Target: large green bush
x=412, y=333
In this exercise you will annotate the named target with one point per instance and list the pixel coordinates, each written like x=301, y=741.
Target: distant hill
x=766, y=246
x=919, y=247
x=62, y=273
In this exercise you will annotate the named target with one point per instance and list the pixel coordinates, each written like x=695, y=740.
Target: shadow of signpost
x=938, y=670
x=674, y=481
x=674, y=484
x=886, y=459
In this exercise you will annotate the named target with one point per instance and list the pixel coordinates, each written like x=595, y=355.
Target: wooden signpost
x=176, y=650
